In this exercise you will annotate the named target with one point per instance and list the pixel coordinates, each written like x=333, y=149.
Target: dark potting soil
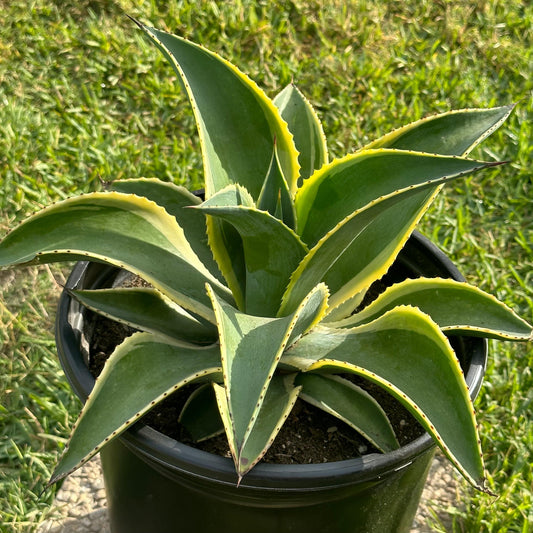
x=309, y=435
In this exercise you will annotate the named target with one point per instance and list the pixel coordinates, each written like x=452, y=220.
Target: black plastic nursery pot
x=155, y=484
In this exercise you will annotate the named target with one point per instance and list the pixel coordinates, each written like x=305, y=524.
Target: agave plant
x=252, y=291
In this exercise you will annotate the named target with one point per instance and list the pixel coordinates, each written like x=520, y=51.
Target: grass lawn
x=84, y=99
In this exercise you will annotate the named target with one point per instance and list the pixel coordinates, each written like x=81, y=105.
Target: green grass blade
x=148, y=310
x=351, y=404
x=456, y=307
x=350, y=183
x=306, y=128
x=231, y=111
x=272, y=251
x=175, y=200
x=451, y=133
x=142, y=371
x=398, y=351
x=123, y=230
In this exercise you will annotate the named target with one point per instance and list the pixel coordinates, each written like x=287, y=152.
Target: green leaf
x=306, y=128
x=455, y=306
x=405, y=352
x=120, y=229
x=142, y=371
x=225, y=414
x=148, y=310
x=275, y=196
x=200, y=415
x=272, y=251
x=226, y=242
x=277, y=404
x=359, y=250
x=350, y=183
x=230, y=196
x=236, y=121
x=250, y=349
x=451, y=133
x=309, y=313
x=175, y=200
x=351, y=404
x=279, y=400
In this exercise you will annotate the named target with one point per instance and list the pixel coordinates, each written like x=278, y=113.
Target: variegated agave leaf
x=99, y=226
x=306, y=128
x=254, y=402
x=123, y=393
x=405, y=352
x=455, y=306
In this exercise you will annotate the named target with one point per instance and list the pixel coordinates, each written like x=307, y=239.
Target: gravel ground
x=80, y=505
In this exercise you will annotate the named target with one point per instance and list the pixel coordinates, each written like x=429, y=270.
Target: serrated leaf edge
x=314, y=114
x=302, y=200
x=480, y=139
x=404, y=398
x=132, y=340
x=339, y=297
x=285, y=340
x=281, y=128
x=358, y=319
x=293, y=396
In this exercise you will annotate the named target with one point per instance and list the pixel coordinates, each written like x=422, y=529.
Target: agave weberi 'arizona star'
x=252, y=291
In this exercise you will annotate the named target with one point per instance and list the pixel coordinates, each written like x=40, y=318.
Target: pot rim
x=165, y=453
